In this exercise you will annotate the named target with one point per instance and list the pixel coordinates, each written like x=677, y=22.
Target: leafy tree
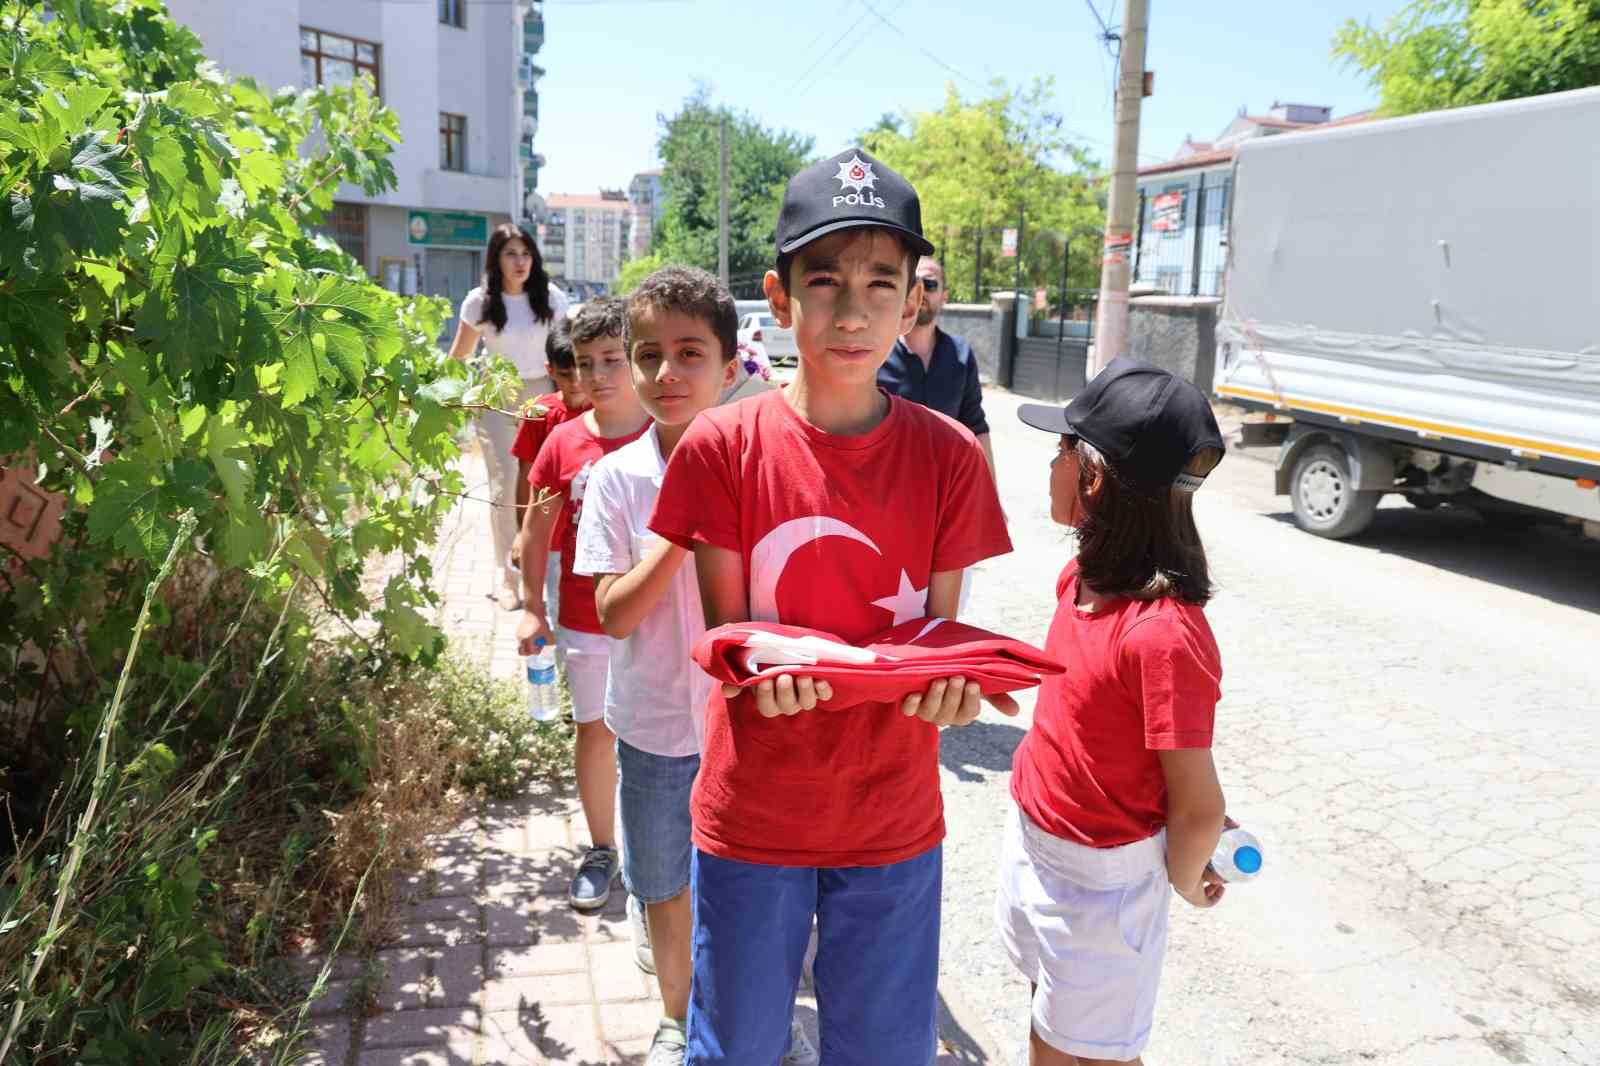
x=636, y=270
x=173, y=337
x=1450, y=53
x=760, y=161
x=978, y=165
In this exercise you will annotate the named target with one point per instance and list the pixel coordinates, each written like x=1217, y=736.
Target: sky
x=830, y=68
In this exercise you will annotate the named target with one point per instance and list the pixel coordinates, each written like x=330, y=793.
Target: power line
x=818, y=61
x=881, y=18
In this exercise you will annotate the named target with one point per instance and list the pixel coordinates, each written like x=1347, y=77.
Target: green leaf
x=228, y=448
x=128, y=513
x=245, y=538
x=72, y=106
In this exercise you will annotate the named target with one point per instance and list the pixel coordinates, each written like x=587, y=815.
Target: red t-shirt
x=532, y=432
x=562, y=466
x=1142, y=677
x=839, y=534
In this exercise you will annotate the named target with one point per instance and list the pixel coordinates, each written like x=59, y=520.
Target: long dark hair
x=1137, y=545
x=537, y=288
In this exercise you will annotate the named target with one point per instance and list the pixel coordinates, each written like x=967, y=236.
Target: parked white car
x=759, y=327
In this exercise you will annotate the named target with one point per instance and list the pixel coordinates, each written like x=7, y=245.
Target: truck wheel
x=1325, y=499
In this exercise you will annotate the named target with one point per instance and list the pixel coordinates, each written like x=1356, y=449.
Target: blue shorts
x=654, y=802
x=877, y=965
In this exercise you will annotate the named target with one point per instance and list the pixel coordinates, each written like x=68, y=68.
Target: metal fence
x=1182, y=236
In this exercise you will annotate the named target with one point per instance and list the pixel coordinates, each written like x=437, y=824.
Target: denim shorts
x=654, y=794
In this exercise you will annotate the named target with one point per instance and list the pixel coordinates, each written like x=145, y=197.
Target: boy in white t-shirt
x=681, y=342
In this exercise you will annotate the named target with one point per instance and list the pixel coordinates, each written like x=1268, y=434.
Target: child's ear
x=1094, y=481
x=777, y=298
x=730, y=370
x=908, y=313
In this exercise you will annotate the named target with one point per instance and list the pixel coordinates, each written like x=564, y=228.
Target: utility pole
x=1112, y=338
x=722, y=203
x=1022, y=221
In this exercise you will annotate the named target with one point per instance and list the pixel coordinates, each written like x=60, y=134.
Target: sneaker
x=639, y=925
x=591, y=886
x=801, y=1051
x=669, y=1045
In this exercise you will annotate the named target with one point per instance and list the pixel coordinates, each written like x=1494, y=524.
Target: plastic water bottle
x=544, y=696
x=1238, y=855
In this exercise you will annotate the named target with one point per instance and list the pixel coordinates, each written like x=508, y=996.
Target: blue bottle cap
x=1247, y=859
x=539, y=642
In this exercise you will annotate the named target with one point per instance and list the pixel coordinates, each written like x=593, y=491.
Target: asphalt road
x=1410, y=721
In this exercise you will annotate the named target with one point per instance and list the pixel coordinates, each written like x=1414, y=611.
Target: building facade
x=585, y=240
x=451, y=70
x=528, y=75
x=644, y=194
x=1184, y=203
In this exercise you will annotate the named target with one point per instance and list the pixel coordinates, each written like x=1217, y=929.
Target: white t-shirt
x=656, y=695
x=522, y=341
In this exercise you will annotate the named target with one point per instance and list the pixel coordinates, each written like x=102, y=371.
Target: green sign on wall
x=447, y=227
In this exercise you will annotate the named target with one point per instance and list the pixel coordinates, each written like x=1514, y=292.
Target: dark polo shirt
x=949, y=384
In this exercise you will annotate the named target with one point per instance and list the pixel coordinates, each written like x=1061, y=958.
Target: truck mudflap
x=1371, y=460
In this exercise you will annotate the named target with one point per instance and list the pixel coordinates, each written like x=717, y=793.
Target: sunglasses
x=931, y=284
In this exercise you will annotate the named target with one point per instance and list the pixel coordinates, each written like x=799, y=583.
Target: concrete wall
x=980, y=325
x=1176, y=333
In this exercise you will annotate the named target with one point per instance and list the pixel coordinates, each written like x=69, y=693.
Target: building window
x=453, y=13
x=452, y=141
x=331, y=59
x=347, y=225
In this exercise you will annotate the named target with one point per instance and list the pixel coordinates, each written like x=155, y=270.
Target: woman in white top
x=511, y=313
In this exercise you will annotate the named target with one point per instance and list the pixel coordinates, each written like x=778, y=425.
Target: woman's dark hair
x=1137, y=545
x=537, y=288
x=689, y=291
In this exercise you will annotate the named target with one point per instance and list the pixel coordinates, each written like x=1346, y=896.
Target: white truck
x=1415, y=303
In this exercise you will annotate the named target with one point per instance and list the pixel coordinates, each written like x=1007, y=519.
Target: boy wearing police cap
x=832, y=505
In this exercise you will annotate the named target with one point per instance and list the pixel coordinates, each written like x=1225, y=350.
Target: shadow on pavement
x=958, y=1044
x=1548, y=561
x=972, y=752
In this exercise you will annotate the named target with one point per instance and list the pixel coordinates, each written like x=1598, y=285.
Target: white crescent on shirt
x=521, y=343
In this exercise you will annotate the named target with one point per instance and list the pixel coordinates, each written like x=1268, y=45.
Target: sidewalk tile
x=438, y=934
x=546, y=873
x=454, y=1053
x=455, y=875
x=442, y=909
x=616, y=974
x=431, y=1026
x=557, y=923
x=405, y=979
x=457, y=976
x=332, y=1000
x=631, y=1052
x=326, y=1043
x=555, y=1034
x=630, y=1020
x=538, y=958
x=510, y=923
x=528, y=990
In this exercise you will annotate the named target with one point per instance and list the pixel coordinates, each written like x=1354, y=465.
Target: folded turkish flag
x=890, y=667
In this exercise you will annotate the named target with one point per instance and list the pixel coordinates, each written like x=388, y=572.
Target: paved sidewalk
x=491, y=965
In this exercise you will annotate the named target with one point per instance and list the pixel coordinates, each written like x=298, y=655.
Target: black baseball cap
x=848, y=191
x=1148, y=424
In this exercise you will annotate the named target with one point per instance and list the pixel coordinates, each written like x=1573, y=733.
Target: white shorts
x=1088, y=926
x=585, y=658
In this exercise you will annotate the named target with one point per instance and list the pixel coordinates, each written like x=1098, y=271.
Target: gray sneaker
x=591, y=886
x=669, y=1045
x=639, y=926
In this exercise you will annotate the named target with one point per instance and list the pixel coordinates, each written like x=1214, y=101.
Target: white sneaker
x=639, y=925
x=669, y=1045
x=801, y=1051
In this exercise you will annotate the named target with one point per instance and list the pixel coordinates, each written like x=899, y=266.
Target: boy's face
x=603, y=374
x=572, y=394
x=848, y=302
x=678, y=368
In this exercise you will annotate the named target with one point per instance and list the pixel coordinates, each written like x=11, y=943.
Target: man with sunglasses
x=933, y=368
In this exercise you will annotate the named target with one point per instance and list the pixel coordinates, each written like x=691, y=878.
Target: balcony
x=528, y=73
x=532, y=32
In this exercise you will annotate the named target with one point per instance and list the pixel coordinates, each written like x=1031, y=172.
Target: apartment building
x=456, y=75
x=585, y=240
x=644, y=193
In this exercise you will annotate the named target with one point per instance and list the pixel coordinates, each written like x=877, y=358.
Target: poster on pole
x=1117, y=247
x=1166, y=213
x=1008, y=244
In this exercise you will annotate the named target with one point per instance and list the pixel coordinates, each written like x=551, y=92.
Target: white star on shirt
x=906, y=605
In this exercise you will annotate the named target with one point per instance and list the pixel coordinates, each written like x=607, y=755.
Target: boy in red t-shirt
x=561, y=470
x=1116, y=792
x=831, y=505
x=567, y=402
